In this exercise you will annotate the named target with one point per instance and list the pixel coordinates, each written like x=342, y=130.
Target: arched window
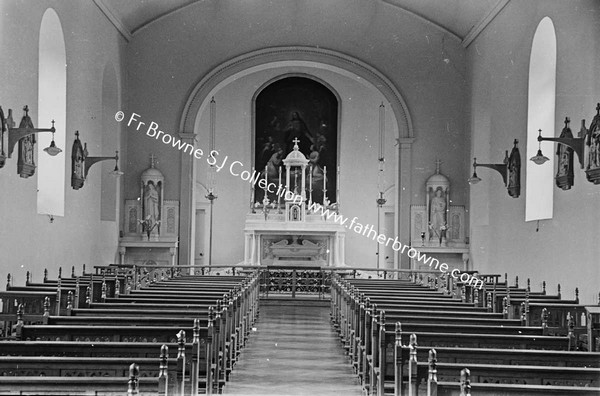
x=52, y=105
x=540, y=115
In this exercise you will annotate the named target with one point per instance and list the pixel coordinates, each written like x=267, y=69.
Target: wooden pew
x=44, y=375
x=366, y=323
x=232, y=317
x=424, y=381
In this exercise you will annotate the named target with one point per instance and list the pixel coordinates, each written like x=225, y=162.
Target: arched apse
x=288, y=59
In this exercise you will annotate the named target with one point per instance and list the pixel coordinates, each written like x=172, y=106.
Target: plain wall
x=564, y=249
x=29, y=241
x=168, y=57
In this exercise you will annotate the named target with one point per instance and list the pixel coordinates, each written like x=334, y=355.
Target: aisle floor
x=293, y=350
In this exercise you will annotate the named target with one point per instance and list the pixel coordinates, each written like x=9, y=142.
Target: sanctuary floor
x=293, y=351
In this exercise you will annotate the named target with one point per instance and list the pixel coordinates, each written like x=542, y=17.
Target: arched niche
x=540, y=115
x=52, y=105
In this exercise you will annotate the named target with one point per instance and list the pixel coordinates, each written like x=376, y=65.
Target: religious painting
x=25, y=161
x=564, y=173
x=302, y=111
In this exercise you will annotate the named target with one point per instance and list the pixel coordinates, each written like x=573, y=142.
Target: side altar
x=286, y=228
x=439, y=228
x=151, y=224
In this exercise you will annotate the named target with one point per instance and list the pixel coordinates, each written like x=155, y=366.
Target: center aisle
x=294, y=351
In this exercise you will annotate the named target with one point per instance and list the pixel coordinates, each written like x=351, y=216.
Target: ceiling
x=463, y=19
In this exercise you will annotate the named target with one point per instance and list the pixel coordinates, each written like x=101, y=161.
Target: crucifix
x=437, y=165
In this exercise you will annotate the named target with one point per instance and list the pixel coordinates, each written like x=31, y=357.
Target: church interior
x=413, y=183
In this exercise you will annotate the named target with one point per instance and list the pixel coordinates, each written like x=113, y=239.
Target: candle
x=279, y=189
x=280, y=176
x=252, y=190
x=266, y=182
x=338, y=185
x=324, y=186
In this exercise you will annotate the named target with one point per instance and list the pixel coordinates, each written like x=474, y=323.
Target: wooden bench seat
x=453, y=389
x=512, y=356
x=417, y=327
x=124, y=321
x=69, y=366
x=514, y=374
x=133, y=349
x=155, y=334
x=74, y=386
x=445, y=388
x=419, y=317
x=435, y=306
x=193, y=312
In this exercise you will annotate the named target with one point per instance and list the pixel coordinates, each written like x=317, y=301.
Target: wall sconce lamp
x=510, y=170
x=577, y=144
x=501, y=168
x=16, y=134
x=89, y=161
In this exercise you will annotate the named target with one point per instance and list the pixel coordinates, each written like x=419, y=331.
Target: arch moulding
x=230, y=68
x=278, y=54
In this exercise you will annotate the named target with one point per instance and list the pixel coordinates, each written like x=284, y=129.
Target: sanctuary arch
x=290, y=57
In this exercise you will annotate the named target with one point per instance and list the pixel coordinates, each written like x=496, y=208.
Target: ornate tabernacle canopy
x=295, y=157
x=437, y=179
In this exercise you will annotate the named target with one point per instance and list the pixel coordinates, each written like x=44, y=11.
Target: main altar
x=286, y=227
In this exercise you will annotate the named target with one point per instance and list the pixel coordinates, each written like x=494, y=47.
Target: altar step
x=300, y=300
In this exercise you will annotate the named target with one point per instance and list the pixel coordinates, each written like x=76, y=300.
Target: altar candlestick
x=337, y=198
x=324, y=185
x=310, y=172
x=266, y=180
x=252, y=192
x=278, y=188
x=381, y=132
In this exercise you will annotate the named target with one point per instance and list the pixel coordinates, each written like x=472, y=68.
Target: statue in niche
x=3, y=129
x=564, y=174
x=78, y=154
x=437, y=215
x=25, y=162
x=514, y=172
x=152, y=188
x=151, y=203
x=592, y=142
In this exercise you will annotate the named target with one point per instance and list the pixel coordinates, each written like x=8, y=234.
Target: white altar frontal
x=280, y=229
